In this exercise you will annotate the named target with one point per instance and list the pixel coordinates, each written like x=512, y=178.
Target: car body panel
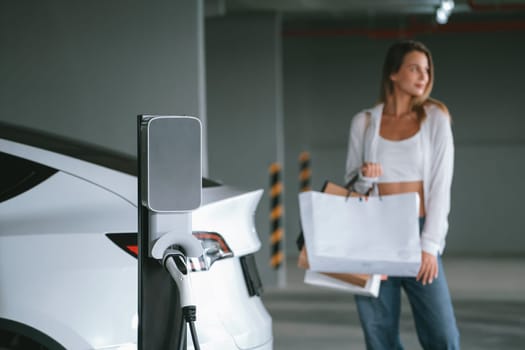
x=221, y=302
x=62, y=262
x=68, y=205
x=66, y=293
x=233, y=219
x=123, y=185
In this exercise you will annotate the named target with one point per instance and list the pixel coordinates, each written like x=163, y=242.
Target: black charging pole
x=161, y=326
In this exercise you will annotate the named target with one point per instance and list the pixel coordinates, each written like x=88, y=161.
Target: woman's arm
x=438, y=197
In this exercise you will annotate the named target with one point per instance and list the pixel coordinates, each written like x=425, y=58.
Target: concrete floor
x=488, y=296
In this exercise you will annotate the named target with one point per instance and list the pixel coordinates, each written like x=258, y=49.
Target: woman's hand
x=429, y=268
x=371, y=170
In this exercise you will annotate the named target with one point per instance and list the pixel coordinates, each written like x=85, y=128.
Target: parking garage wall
x=245, y=134
x=86, y=69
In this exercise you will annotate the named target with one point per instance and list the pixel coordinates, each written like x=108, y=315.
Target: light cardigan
x=438, y=164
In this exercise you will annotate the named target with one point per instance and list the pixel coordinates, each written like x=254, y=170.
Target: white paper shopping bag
x=377, y=235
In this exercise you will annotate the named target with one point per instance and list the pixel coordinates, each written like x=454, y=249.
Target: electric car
x=68, y=252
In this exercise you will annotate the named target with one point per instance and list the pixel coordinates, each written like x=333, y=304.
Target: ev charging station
x=170, y=187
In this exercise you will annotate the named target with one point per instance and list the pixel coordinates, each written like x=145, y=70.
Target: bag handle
x=350, y=187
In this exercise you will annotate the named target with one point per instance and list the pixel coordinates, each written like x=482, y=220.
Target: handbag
x=363, y=235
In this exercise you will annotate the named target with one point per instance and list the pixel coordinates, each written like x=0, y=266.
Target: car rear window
x=19, y=175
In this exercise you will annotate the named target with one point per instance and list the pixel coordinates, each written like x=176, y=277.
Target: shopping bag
x=371, y=287
x=372, y=235
x=363, y=284
x=302, y=260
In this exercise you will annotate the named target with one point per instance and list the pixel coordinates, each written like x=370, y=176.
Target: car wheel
x=13, y=341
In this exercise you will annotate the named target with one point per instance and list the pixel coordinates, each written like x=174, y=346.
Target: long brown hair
x=393, y=61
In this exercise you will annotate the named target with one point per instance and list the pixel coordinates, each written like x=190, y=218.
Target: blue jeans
x=431, y=307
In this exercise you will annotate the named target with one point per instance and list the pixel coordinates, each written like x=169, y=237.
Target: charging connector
x=175, y=261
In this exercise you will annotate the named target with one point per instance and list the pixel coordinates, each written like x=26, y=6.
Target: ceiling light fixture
x=444, y=10
x=447, y=5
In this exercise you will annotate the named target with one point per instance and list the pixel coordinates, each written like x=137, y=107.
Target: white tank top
x=401, y=161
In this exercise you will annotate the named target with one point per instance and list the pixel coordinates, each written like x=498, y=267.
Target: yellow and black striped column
x=276, y=213
x=304, y=172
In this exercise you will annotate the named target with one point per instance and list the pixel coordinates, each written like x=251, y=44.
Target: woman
x=404, y=144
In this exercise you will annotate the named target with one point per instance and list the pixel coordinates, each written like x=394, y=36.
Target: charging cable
x=174, y=261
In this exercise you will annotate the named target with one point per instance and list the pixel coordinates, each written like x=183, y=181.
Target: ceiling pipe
x=413, y=29
x=496, y=7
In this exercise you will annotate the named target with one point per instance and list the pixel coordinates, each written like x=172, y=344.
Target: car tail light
x=126, y=241
x=214, y=246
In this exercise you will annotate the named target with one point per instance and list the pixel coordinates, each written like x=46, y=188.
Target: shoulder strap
x=368, y=118
x=350, y=185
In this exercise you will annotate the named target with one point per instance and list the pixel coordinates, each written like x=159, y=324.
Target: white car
x=68, y=245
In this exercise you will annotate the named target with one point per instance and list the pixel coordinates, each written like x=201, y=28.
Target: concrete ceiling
x=338, y=6
x=358, y=8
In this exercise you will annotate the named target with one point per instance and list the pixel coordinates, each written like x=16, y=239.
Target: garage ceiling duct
x=368, y=7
